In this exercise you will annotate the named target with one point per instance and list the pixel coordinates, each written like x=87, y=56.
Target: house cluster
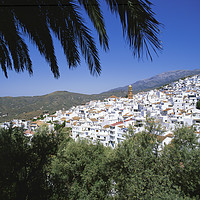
x=108, y=121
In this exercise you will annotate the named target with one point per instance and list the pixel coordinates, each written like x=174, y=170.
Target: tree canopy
x=52, y=166
x=198, y=104
x=38, y=19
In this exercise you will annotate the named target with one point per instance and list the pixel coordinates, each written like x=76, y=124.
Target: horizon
x=102, y=91
x=180, y=36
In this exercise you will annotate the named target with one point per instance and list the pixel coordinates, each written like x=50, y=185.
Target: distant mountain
x=158, y=80
x=27, y=107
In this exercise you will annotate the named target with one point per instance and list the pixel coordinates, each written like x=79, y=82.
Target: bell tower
x=130, y=92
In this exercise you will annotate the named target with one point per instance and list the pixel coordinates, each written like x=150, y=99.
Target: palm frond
x=14, y=43
x=5, y=60
x=38, y=31
x=93, y=10
x=140, y=28
x=64, y=19
x=64, y=32
x=86, y=41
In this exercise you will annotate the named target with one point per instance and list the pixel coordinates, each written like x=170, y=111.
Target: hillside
x=27, y=107
x=158, y=80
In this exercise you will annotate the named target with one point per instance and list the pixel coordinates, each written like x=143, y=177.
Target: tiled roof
x=113, y=97
x=76, y=118
x=29, y=132
x=117, y=123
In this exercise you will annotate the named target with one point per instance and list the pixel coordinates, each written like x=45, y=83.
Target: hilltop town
x=108, y=121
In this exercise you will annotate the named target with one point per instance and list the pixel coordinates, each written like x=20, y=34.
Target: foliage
x=57, y=126
x=80, y=170
x=65, y=21
x=51, y=165
x=136, y=167
x=198, y=104
x=181, y=161
x=24, y=169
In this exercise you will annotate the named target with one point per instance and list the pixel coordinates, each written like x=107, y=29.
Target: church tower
x=130, y=92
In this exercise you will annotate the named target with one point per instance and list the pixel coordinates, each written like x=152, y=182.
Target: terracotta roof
x=39, y=123
x=106, y=126
x=29, y=132
x=113, y=97
x=128, y=120
x=108, y=105
x=93, y=119
x=63, y=119
x=117, y=123
x=68, y=113
x=161, y=138
x=169, y=135
x=92, y=111
x=76, y=118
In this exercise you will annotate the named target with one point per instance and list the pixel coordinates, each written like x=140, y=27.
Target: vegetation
x=29, y=107
x=65, y=21
x=198, y=104
x=181, y=159
x=50, y=165
x=24, y=164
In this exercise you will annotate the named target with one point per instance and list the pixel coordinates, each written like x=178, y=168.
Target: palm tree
x=38, y=19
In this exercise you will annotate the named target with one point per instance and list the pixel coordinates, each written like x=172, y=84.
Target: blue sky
x=181, y=41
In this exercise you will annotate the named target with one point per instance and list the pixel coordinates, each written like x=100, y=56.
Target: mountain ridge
x=27, y=107
x=158, y=80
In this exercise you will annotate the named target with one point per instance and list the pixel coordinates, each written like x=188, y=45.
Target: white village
x=108, y=121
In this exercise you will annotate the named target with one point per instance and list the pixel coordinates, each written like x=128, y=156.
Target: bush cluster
x=52, y=166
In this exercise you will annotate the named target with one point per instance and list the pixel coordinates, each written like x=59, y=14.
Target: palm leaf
x=13, y=42
x=38, y=31
x=41, y=17
x=92, y=8
x=5, y=60
x=140, y=28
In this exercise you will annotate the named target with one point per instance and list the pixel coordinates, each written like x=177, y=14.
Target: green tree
x=64, y=19
x=198, y=104
x=80, y=171
x=25, y=163
x=59, y=127
x=136, y=167
x=181, y=161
